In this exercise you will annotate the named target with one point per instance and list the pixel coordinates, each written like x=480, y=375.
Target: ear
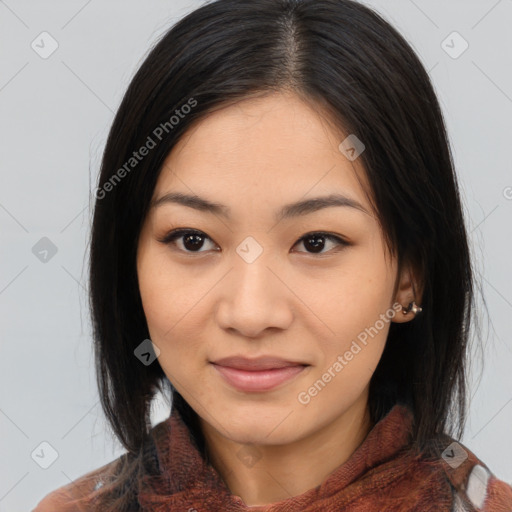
x=409, y=288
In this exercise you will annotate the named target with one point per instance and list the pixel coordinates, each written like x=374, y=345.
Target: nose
x=254, y=298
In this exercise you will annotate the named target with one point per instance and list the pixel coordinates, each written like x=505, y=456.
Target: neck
x=287, y=470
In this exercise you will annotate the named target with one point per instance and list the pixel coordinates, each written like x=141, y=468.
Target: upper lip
x=257, y=363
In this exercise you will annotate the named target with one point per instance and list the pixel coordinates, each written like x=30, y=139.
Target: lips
x=260, y=363
x=257, y=375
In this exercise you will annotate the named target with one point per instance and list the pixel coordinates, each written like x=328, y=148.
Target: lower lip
x=261, y=380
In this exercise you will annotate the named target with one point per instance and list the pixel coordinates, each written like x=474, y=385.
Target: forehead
x=265, y=150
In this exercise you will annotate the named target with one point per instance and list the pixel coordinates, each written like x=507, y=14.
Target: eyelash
x=170, y=238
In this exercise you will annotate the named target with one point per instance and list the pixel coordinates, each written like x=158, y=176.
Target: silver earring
x=412, y=307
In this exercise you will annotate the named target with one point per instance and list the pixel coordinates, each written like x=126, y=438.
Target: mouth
x=257, y=375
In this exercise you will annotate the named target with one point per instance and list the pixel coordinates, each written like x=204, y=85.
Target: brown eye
x=316, y=242
x=191, y=240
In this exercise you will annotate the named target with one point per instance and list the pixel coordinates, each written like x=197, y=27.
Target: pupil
x=196, y=239
x=310, y=240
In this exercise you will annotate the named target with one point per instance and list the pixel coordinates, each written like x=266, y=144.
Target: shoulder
x=474, y=487
x=77, y=495
x=116, y=483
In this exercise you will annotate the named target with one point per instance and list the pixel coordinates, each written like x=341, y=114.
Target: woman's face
x=251, y=285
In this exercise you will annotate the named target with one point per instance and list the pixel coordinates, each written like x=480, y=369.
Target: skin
x=292, y=302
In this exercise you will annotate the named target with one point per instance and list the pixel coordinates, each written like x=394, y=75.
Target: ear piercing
x=412, y=307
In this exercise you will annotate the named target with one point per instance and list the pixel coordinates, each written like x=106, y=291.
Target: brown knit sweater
x=382, y=475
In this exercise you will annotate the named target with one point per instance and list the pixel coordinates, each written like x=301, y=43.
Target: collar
x=186, y=481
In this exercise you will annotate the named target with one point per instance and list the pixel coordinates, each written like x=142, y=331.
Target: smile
x=258, y=380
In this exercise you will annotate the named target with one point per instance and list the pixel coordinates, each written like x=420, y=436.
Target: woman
x=278, y=243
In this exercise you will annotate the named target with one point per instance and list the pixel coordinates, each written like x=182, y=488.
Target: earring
x=411, y=307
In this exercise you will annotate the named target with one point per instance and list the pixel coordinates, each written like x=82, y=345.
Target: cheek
x=164, y=293
x=372, y=279
x=350, y=358
x=156, y=295
x=168, y=301
x=357, y=294
x=359, y=312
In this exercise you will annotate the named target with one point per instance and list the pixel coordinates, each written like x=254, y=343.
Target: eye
x=192, y=241
x=316, y=241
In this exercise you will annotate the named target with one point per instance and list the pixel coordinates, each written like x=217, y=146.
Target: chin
x=256, y=427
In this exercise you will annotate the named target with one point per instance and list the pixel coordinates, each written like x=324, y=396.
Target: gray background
x=55, y=116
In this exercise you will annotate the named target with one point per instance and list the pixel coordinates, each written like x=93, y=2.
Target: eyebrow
x=296, y=209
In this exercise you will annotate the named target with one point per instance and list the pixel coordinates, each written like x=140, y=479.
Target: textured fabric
x=382, y=475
